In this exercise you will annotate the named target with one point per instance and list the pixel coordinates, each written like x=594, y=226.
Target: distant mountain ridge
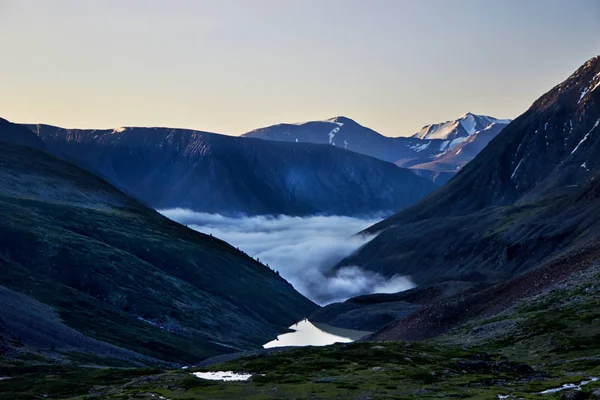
x=424, y=147
x=207, y=172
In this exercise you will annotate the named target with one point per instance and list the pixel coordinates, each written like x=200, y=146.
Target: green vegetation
x=119, y=272
x=351, y=371
x=539, y=344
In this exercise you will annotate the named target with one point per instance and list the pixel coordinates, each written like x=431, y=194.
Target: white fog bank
x=302, y=249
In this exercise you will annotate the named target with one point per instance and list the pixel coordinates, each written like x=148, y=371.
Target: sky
x=231, y=66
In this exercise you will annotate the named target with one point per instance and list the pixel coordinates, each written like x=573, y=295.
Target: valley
x=303, y=250
x=199, y=245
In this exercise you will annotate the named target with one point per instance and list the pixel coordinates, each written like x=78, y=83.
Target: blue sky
x=232, y=66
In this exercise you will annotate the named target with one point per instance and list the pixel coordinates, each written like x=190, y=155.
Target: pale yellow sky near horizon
x=231, y=66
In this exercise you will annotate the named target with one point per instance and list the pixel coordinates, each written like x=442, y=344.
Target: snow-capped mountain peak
x=463, y=127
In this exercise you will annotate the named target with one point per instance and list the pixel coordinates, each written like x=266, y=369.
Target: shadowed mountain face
x=87, y=270
x=511, y=208
x=422, y=152
x=168, y=168
x=15, y=134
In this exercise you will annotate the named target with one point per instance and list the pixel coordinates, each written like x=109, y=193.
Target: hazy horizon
x=233, y=66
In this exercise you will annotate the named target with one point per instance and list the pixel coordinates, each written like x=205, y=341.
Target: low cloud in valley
x=302, y=249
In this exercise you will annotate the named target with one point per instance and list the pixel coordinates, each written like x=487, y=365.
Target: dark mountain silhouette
x=168, y=168
x=510, y=208
x=89, y=271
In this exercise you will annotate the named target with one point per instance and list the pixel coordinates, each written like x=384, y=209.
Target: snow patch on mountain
x=437, y=131
x=420, y=147
x=468, y=123
x=597, y=85
x=585, y=137
x=332, y=135
x=334, y=121
x=456, y=142
x=512, y=176
x=583, y=93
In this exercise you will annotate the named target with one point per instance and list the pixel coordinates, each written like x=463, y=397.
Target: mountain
x=425, y=147
x=456, y=131
x=14, y=134
x=89, y=273
x=512, y=208
x=506, y=249
x=447, y=164
x=168, y=168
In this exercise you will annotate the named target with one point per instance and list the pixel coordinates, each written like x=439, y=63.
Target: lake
x=307, y=333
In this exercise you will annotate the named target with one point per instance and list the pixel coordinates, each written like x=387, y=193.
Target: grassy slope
x=538, y=344
x=102, y=260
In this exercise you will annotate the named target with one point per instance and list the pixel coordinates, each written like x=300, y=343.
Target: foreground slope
x=168, y=168
x=88, y=271
x=572, y=267
x=540, y=343
x=425, y=147
x=507, y=210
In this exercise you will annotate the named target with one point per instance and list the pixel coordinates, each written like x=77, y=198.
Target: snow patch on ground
x=345, y=144
x=119, y=130
x=227, y=376
x=569, y=386
x=444, y=145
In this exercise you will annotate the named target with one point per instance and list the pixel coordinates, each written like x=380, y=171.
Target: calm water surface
x=307, y=333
